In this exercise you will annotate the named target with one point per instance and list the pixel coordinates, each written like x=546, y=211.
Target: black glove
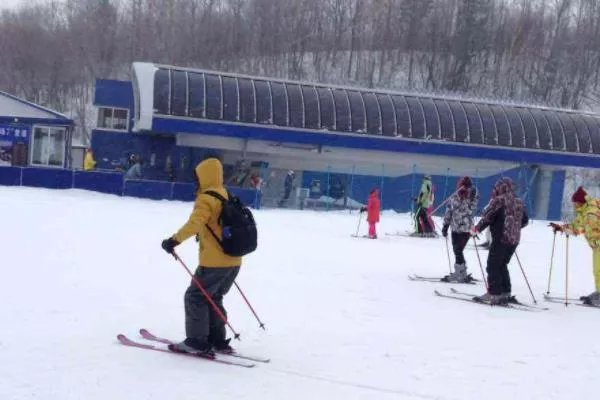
x=197, y=238
x=555, y=227
x=169, y=245
x=363, y=209
x=445, y=230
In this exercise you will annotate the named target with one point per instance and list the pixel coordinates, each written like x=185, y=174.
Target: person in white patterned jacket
x=459, y=216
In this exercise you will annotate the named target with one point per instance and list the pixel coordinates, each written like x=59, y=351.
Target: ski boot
x=592, y=299
x=194, y=346
x=223, y=347
x=487, y=298
x=459, y=275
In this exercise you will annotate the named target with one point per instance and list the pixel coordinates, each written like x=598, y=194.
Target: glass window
x=263, y=102
x=295, y=105
x=530, y=128
x=373, y=114
x=48, y=146
x=327, y=108
x=161, y=91
x=280, y=104
x=570, y=132
x=342, y=110
x=357, y=111
x=388, y=119
x=489, y=126
x=214, y=98
x=585, y=145
x=544, y=139
x=446, y=122
x=113, y=118
x=475, y=127
x=431, y=118
x=247, y=103
x=196, y=95
x=417, y=118
x=230, y=99
x=502, y=126
x=558, y=137
x=311, y=107
x=461, y=124
x=403, y=122
x=179, y=93
x=594, y=127
x=516, y=127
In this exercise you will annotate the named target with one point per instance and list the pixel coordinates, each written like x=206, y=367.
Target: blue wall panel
x=10, y=176
x=557, y=188
x=184, y=191
x=113, y=93
x=148, y=189
x=104, y=182
x=48, y=178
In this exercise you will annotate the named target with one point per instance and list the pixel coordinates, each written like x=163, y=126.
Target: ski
x=413, y=235
x=557, y=299
x=432, y=279
x=470, y=300
x=124, y=340
x=363, y=237
x=149, y=336
x=518, y=303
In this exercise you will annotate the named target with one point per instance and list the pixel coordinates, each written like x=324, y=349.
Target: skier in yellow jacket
x=89, y=162
x=205, y=330
x=586, y=222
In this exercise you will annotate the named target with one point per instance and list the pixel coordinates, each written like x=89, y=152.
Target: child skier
x=586, y=222
x=423, y=222
x=373, y=208
x=505, y=214
x=459, y=216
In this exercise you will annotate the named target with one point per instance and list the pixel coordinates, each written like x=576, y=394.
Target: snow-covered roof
x=14, y=107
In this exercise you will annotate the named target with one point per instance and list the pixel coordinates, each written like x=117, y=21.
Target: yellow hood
x=209, y=174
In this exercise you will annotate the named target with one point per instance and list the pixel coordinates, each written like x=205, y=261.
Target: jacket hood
x=503, y=186
x=209, y=174
x=374, y=192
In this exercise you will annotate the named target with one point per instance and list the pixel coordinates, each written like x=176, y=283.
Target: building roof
x=12, y=107
x=215, y=96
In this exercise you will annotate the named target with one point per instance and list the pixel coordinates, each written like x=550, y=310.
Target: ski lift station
x=340, y=141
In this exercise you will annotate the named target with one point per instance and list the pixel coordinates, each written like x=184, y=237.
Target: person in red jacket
x=373, y=208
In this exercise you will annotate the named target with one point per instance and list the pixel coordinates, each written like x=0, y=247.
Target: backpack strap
x=222, y=199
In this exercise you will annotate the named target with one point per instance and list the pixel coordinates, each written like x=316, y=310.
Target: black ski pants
x=422, y=222
x=201, y=320
x=497, y=267
x=459, y=242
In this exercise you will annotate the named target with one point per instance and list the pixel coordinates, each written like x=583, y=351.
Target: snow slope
x=343, y=321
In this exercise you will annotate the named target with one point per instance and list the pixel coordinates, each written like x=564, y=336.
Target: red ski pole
x=261, y=324
x=207, y=296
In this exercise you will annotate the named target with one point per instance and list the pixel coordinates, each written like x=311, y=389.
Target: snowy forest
x=531, y=51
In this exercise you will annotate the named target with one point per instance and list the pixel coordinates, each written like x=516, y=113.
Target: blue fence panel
x=10, y=176
x=148, y=189
x=247, y=196
x=104, y=182
x=184, y=191
x=557, y=188
x=50, y=178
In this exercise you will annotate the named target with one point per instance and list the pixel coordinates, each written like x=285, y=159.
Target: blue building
x=340, y=141
x=31, y=135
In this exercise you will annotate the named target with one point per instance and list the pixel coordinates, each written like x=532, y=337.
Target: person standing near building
x=373, y=209
x=423, y=223
x=586, y=222
x=505, y=215
x=459, y=216
x=88, y=162
x=287, y=187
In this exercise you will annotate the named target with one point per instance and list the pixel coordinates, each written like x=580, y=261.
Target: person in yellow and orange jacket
x=586, y=222
x=88, y=161
x=205, y=330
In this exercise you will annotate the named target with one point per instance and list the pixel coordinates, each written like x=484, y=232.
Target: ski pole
x=207, y=296
x=551, y=263
x=261, y=324
x=445, y=201
x=567, y=273
x=358, y=226
x=481, y=266
x=448, y=253
x=525, y=276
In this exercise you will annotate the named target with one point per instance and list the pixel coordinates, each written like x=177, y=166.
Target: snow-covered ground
x=343, y=321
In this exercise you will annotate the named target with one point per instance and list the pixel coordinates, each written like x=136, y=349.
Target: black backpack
x=239, y=235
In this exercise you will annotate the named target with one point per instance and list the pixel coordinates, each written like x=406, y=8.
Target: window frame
x=32, y=142
x=112, y=118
